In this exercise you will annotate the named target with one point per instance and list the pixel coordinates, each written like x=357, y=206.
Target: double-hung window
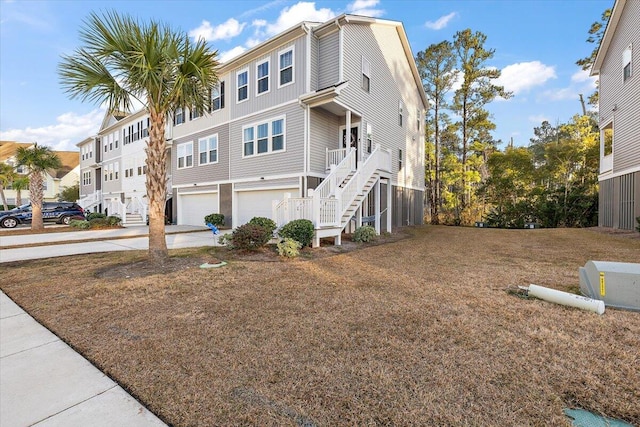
x=262, y=72
x=265, y=137
x=626, y=64
x=400, y=113
x=145, y=127
x=208, y=149
x=194, y=113
x=217, y=97
x=286, y=67
x=178, y=117
x=366, y=74
x=243, y=85
x=185, y=155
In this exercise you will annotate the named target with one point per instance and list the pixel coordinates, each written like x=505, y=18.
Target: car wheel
x=9, y=223
x=66, y=220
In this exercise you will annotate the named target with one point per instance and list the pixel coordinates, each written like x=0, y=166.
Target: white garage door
x=259, y=203
x=194, y=207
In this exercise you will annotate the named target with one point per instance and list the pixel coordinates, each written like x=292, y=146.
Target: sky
x=536, y=46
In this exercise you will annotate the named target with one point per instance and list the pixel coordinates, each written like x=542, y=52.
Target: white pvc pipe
x=564, y=298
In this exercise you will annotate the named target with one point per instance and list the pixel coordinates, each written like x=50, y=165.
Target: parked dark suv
x=59, y=212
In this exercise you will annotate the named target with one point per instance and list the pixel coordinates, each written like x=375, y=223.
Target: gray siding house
x=617, y=65
x=323, y=121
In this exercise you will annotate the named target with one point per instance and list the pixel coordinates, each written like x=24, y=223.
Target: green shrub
x=364, y=234
x=267, y=223
x=94, y=215
x=99, y=223
x=300, y=230
x=638, y=221
x=216, y=219
x=113, y=220
x=250, y=237
x=225, y=239
x=80, y=224
x=289, y=248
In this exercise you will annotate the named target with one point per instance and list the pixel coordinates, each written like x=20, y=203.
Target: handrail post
x=315, y=206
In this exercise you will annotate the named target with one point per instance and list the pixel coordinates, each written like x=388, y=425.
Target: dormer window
x=626, y=64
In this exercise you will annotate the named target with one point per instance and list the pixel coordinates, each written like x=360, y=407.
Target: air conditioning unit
x=615, y=283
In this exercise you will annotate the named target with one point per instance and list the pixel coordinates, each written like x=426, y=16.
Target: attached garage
x=193, y=207
x=258, y=203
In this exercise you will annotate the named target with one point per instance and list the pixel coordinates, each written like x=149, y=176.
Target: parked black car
x=59, y=212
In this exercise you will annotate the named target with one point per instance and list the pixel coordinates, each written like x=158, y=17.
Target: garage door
x=194, y=207
x=259, y=203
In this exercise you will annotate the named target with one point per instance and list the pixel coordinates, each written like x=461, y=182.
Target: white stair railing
x=334, y=157
x=338, y=174
x=115, y=207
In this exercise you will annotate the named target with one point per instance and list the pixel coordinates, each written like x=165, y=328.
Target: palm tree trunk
x=35, y=188
x=157, y=187
x=4, y=198
x=18, y=197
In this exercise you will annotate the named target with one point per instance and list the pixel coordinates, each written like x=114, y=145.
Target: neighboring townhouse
x=113, y=167
x=323, y=121
x=55, y=180
x=617, y=66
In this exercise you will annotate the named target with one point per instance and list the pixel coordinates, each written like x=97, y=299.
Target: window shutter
x=221, y=95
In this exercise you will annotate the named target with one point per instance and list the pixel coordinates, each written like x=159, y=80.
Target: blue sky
x=537, y=44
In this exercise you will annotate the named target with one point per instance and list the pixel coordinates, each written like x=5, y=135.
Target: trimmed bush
x=216, y=219
x=99, y=223
x=94, y=215
x=364, y=234
x=113, y=220
x=267, y=223
x=300, y=230
x=250, y=237
x=289, y=248
x=225, y=239
x=79, y=224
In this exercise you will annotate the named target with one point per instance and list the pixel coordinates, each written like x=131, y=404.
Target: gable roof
x=8, y=149
x=69, y=159
x=614, y=19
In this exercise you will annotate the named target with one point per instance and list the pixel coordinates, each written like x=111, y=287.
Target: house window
x=607, y=139
x=418, y=118
x=208, y=149
x=286, y=67
x=262, y=72
x=369, y=139
x=194, y=113
x=263, y=138
x=116, y=170
x=217, y=97
x=178, y=116
x=111, y=172
x=185, y=155
x=86, y=178
x=243, y=85
x=400, y=113
x=144, y=124
x=116, y=135
x=247, y=139
x=277, y=135
x=366, y=74
x=126, y=136
x=267, y=137
x=626, y=63
x=400, y=159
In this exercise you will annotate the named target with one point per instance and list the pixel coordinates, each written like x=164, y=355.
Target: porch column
x=359, y=216
x=347, y=133
x=389, y=207
x=376, y=194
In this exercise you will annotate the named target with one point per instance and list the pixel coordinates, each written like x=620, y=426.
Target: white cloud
x=538, y=118
x=70, y=128
x=561, y=94
x=259, y=23
x=582, y=76
x=580, y=83
x=441, y=22
x=365, y=8
x=225, y=31
x=301, y=11
x=522, y=76
x=232, y=53
x=457, y=84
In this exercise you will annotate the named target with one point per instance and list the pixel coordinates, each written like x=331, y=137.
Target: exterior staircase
x=134, y=219
x=338, y=197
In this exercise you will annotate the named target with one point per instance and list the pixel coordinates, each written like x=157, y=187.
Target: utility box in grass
x=481, y=224
x=615, y=283
x=531, y=225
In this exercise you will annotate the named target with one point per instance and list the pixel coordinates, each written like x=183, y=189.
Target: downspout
x=306, y=147
x=340, y=53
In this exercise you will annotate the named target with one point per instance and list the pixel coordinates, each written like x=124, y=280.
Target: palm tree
x=124, y=60
x=7, y=175
x=37, y=159
x=19, y=184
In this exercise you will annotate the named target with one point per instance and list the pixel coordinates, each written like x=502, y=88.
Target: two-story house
x=617, y=66
x=323, y=121
x=54, y=180
x=113, y=167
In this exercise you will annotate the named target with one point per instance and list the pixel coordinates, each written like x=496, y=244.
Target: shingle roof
x=69, y=159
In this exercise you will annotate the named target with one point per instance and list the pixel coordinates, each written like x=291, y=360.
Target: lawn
x=420, y=331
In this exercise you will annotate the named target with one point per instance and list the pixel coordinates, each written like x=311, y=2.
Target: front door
x=353, y=139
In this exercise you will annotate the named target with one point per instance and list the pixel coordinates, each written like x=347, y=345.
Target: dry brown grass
x=415, y=332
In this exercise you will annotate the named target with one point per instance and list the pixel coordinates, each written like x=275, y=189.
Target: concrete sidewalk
x=121, y=239
x=44, y=382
